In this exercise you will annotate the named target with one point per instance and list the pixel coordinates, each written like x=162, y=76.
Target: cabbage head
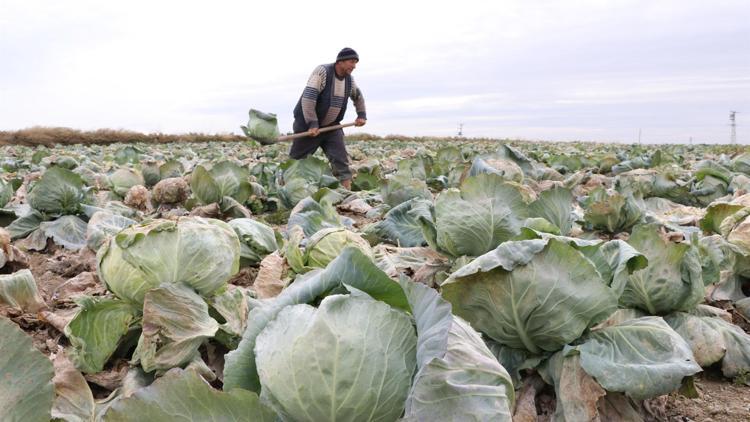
x=256, y=240
x=312, y=170
x=58, y=192
x=224, y=179
x=374, y=350
x=541, y=294
x=708, y=189
x=6, y=192
x=611, y=210
x=123, y=179
x=368, y=176
x=66, y=162
x=128, y=154
x=741, y=163
x=322, y=247
x=484, y=213
x=401, y=188
x=202, y=253
x=261, y=125
x=673, y=280
x=324, y=347
x=736, y=229
x=507, y=169
x=150, y=171
x=325, y=245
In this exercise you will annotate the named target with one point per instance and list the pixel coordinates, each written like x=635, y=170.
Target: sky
x=607, y=71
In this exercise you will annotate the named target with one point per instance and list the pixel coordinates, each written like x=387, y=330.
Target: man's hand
x=360, y=122
x=314, y=131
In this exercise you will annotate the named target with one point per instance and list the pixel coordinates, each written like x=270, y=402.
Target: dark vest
x=324, y=100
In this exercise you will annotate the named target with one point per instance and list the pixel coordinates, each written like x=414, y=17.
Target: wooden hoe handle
x=303, y=134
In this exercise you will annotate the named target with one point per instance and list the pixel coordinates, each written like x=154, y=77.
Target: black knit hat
x=346, y=54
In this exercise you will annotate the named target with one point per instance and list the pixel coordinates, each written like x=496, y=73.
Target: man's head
x=346, y=61
x=347, y=54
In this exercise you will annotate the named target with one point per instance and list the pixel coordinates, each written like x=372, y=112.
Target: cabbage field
x=459, y=280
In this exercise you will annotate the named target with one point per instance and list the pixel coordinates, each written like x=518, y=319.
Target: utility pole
x=639, y=136
x=733, y=124
x=460, y=129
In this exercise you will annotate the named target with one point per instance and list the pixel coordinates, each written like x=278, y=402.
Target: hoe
x=263, y=126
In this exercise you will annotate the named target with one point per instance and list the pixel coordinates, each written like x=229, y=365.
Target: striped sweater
x=315, y=85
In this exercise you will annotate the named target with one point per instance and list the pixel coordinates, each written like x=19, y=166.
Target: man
x=323, y=103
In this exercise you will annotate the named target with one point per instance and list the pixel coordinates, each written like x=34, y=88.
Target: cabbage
x=484, y=213
x=385, y=350
x=506, y=169
x=325, y=245
x=225, y=179
x=172, y=190
x=19, y=291
x=58, y=192
x=261, y=126
x=400, y=188
x=127, y=154
x=150, y=171
x=27, y=391
x=741, y=163
x=343, y=354
x=611, y=211
x=123, y=179
x=512, y=293
x=400, y=225
x=672, y=281
x=256, y=240
x=102, y=225
x=6, y=192
x=202, y=253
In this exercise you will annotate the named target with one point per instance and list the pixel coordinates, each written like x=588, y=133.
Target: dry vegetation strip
x=65, y=136
x=50, y=136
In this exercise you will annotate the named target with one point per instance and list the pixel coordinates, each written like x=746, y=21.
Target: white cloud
x=624, y=90
x=446, y=103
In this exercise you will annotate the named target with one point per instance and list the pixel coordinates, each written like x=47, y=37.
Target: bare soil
x=719, y=399
x=245, y=277
x=52, y=268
